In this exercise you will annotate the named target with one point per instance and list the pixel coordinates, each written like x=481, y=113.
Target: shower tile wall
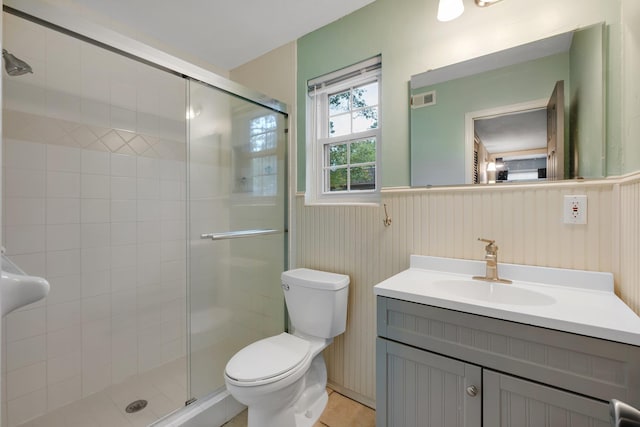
x=94, y=200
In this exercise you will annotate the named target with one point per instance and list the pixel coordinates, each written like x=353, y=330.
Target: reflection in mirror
x=453, y=109
x=528, y=140
x=513, y=145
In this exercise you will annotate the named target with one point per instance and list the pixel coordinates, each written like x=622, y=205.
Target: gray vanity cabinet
x=511, y=401
x=426, y=389
x=443, y=368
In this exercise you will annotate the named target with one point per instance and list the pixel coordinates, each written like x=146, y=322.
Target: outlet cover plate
x=575, y=209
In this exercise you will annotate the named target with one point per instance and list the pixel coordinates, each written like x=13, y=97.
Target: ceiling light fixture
x=485, y=3
x=450, y=9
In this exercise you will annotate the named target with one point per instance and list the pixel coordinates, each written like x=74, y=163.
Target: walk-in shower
x=15, y=66
x=162, y=233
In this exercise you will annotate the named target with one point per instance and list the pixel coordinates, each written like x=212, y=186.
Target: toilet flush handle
x=285, y=286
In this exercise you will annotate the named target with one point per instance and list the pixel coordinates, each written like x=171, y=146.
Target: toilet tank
x=316, y=301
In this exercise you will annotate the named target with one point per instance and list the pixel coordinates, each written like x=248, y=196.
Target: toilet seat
x=268, y=360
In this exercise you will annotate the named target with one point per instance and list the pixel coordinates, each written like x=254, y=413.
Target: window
x=262, y=142
x=256, y=162
x=343, y=143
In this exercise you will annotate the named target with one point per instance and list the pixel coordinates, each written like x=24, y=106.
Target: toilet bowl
x=282, y=379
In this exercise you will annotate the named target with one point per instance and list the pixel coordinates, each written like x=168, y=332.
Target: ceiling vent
x=420, y=100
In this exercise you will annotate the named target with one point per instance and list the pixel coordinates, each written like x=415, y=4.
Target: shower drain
x=136, y=406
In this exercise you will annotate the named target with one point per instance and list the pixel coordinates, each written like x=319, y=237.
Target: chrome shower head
x=15, y=66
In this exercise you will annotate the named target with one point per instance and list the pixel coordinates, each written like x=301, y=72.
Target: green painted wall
x=587, y=153
x=384, y=27
x=438, y=131
x=412, y=41
x=631, y=96
x=614, y=100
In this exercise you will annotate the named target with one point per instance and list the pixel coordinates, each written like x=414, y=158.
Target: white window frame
x=318, y=134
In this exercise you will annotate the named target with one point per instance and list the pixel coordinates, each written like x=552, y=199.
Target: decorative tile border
x=46, y=130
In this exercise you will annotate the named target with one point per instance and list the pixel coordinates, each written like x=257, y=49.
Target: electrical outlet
x=575, y=209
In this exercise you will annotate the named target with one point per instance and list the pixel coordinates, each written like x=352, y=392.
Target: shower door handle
x=227, y=235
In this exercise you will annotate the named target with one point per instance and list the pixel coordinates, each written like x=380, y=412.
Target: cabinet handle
x=472, y=391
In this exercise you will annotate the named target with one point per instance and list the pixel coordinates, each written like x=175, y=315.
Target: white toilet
x=282, y=379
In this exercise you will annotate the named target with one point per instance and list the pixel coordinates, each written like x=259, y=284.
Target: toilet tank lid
x=309, y=278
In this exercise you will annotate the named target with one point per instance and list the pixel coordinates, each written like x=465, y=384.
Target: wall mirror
x=535, y=112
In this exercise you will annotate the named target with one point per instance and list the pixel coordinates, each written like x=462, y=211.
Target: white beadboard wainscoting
x=628, y=268
x=525, y=220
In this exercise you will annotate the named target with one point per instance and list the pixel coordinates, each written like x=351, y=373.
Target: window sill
x=370, y=199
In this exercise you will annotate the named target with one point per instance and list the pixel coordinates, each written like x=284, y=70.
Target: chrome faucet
x=491, y=257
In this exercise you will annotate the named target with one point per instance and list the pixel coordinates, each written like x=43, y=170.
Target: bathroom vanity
x=551, y=350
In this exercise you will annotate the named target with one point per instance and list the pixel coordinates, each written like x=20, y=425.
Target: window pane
x=256, y=125
x=363, y=178
x=366, y=95
x=270, y=141
x=263, y=124
x=338, y=179
x=365, y=119
x=337, y=154
x=339, y=103
x=257, y=185
x=263, y=165
x=271, y=122
x=339, y=125
x=256, y=166
x=270, y=185
x=263, y=170
x=269, y=165
x=363, y=151
x=258, y=142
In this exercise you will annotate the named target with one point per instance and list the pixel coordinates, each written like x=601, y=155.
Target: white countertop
x=575, y=301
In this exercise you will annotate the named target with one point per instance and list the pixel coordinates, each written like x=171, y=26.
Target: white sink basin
x=576, y=301
x=496, y=293
x=17, y=289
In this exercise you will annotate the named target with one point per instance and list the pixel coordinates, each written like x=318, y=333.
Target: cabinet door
x=513, y=402
x=416, y=388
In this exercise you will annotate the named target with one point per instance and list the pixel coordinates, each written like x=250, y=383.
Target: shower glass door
x=237, y=239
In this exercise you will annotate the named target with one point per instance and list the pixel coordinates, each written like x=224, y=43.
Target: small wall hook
x=387, y=219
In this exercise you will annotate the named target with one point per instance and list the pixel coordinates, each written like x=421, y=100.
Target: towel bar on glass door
x=238, y=234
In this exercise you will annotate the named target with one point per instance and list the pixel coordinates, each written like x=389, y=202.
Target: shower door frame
x=233, y=234
x=79, y=28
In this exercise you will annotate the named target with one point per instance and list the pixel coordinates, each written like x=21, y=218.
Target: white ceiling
x=513, y=132
x=516, y=55
x=225, y=33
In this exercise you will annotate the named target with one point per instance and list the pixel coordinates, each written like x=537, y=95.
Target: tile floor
x=165, y=388
x=340, y=412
